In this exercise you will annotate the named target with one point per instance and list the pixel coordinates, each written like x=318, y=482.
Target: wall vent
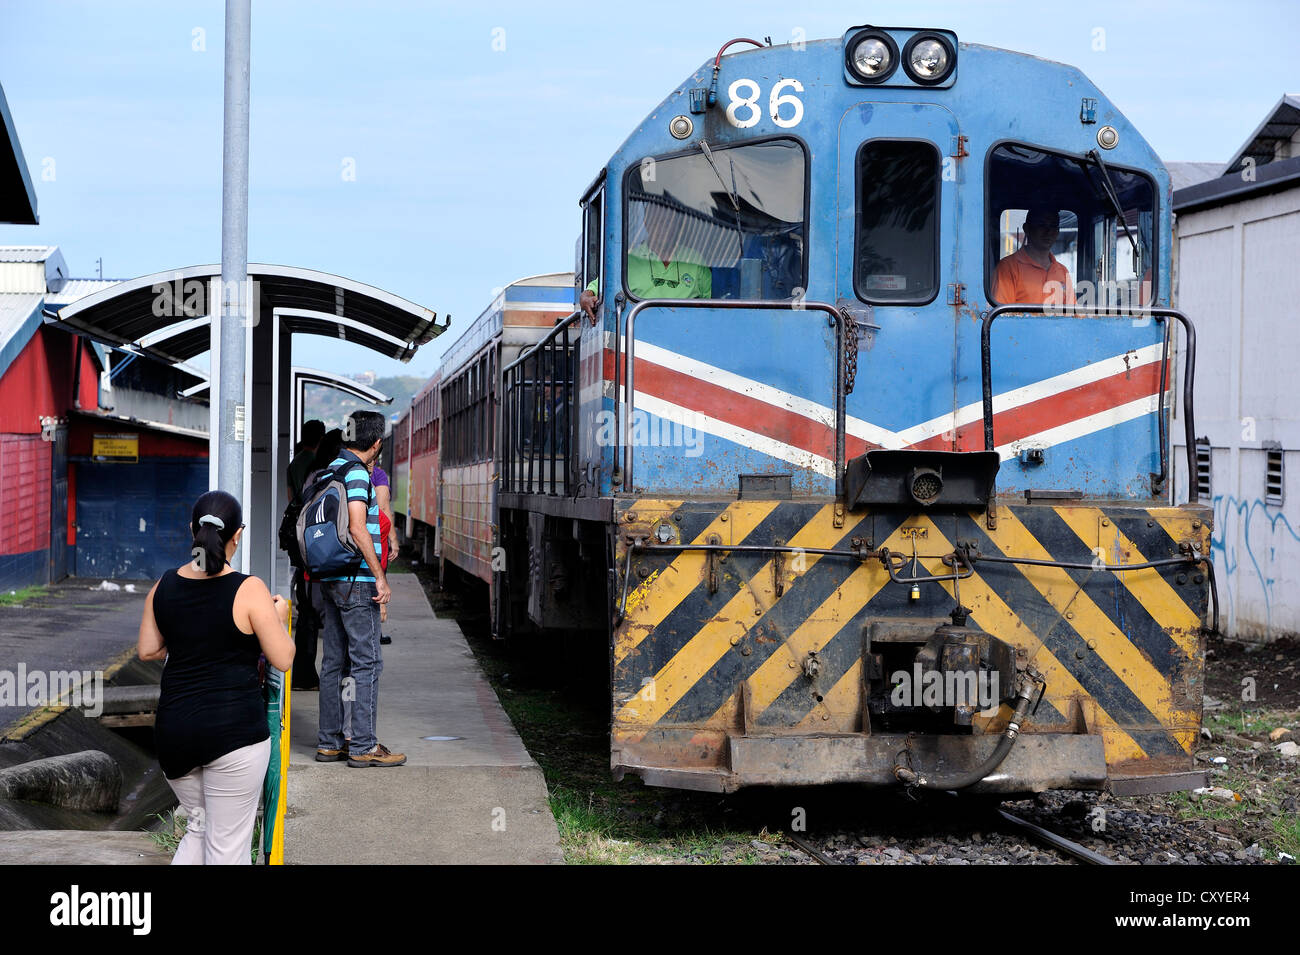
x=1274, y=475
x=1203, y=453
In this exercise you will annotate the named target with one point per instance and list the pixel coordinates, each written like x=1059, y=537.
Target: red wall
x=25, y=493
x=153, y=444
x=39, y=382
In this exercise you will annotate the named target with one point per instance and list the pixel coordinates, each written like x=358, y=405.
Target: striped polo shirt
x=357, y=481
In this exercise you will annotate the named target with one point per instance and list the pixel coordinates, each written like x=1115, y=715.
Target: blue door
x=898, y=213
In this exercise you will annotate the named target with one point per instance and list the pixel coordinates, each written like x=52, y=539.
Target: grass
x=601, y=822
x=595, y=831
x=1264, y=782
x=16, y=598
x=170, y=832
x=1287, y=832
x=1247, y=722
x=172, y=829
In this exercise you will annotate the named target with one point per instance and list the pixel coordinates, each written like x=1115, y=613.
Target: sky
x=438, y=150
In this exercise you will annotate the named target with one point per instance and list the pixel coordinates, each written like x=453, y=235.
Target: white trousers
x=220, y=800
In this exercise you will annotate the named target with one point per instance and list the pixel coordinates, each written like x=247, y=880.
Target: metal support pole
x=232, y=324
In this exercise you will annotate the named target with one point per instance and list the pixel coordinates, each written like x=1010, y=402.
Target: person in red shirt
x=387, y=535
x=1031, y=275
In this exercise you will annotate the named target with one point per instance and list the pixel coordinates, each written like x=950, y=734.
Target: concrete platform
x=479, y=798
x=74, y=847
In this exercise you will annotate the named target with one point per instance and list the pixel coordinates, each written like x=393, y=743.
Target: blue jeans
x=350, y=627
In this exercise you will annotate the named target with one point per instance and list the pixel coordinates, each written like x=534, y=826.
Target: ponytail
x=217, y=517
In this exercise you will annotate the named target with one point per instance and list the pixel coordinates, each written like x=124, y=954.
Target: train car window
x=897, y=243
x=724, y=222
x=593, y=231
x=468, y=414
x=1041, y=203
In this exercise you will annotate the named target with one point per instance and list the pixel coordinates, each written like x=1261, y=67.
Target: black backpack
x=324, y=541
x=289, y=534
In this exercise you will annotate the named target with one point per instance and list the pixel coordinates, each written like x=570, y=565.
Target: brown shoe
x=379, y=756
x=330, y=755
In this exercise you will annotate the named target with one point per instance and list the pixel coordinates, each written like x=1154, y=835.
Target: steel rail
x=1080, y=852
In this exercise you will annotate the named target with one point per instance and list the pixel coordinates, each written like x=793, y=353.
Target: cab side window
x=1106, y=253
x=718, y=222
x=591, y=247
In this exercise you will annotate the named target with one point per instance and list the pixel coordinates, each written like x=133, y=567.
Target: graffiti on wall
x=1251, y=540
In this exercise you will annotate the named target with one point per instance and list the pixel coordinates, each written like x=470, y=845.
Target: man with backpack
x=339, y=532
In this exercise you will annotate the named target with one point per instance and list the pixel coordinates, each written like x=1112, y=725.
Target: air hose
x=911, y=778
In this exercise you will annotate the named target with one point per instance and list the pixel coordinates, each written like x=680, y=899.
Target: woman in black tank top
x=211, y=699
x=211, y=729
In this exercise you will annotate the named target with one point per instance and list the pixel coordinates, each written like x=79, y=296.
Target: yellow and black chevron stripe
x=709, y=648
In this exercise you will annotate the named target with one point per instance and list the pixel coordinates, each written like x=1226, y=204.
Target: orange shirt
x=1020, y=280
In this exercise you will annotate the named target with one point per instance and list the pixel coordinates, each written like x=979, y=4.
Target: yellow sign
x=116, y=447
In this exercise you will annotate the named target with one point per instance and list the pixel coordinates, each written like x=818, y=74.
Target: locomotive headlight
x=872, y=56
x=928, y=58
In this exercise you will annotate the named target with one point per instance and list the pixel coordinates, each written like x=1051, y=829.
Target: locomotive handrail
x=1157, y=312
x=623, y=422
x=545, y=339
x=512, y=431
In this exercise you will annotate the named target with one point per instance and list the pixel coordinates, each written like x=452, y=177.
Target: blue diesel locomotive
x=853, y=457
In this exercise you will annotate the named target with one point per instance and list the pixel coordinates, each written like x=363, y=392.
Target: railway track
x=1044, y=836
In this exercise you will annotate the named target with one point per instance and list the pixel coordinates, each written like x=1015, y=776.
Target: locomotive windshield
x=1040, y=201
x=718, y=222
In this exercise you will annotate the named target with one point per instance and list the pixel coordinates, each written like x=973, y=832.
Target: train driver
x=1031, y=275
x=660, y=266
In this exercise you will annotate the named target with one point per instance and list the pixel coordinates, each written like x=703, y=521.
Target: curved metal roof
x=315, y=376
x=329, y=379
x=166, y=314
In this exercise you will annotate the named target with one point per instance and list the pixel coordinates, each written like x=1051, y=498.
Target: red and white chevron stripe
x=695, y=394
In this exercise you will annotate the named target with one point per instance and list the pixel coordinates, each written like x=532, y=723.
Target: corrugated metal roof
x=1279, y=126
x=74, y=289
x=26, y=253
x=1271, y=177
x=20, y=316
x=31, y=269
x=1184, y=174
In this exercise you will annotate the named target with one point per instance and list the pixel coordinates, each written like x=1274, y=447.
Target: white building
x=1238, y=279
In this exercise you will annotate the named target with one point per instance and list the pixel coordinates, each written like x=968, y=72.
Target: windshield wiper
x=708, y=154
x=1114, y=201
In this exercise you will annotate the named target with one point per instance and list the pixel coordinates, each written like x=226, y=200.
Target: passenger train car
x=830, y=511
x=445, y=486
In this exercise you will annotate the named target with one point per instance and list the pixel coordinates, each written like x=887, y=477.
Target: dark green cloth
x=299, y=471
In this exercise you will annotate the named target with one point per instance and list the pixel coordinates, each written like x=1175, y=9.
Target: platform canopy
x=312, y=376
x=166, y=315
